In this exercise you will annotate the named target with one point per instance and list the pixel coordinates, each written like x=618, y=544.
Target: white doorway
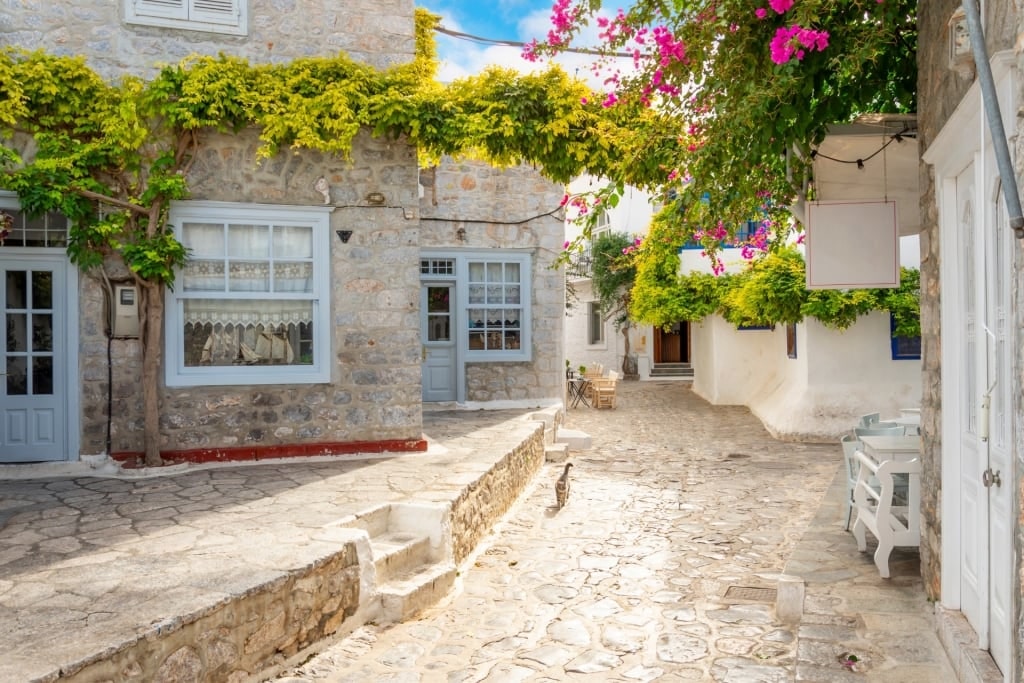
x=977, y=432
x=437, y=329
x=977, y=418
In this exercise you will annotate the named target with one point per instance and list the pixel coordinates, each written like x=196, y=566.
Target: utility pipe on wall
x=995, y=120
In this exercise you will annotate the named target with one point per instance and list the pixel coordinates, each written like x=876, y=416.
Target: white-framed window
x=595, y=323
x=215, y=16
x=497, y=309
x=49, y=230
x=252, y=305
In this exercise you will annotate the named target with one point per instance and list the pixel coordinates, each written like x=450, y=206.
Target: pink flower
x=780, y=6
x=787, y=43
x=760, y=12
x=566, y=245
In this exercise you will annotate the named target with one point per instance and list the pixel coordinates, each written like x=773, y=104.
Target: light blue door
x=437, y=308
x=33, y=391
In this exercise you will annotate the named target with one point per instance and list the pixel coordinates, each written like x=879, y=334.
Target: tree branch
x=89, y=194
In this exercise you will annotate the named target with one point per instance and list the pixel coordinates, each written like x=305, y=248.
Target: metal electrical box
x=126, y=311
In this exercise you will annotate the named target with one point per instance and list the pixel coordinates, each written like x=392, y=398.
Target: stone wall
x=374, y=394
x=514, y=208
x=377, y=32
x=939, y=90
x=482, y=504
x=238, y=639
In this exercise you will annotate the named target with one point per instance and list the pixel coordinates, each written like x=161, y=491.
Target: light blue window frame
x=227, y=213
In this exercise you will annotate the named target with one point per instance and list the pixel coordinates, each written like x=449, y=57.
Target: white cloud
x=460, y=58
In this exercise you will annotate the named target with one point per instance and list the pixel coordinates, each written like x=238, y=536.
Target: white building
x=805, y=381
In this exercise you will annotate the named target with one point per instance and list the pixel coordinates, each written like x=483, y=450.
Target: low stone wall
x=230, y=641
x=262, y=627
x=481, y=504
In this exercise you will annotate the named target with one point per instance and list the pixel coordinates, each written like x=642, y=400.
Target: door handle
x=990, y=478
x=424, y=354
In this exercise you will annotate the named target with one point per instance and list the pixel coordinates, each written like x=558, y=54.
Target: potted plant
x=583, y=370
x=568, y=369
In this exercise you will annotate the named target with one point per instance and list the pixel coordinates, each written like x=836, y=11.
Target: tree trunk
x=151, y=338
x=629, y=368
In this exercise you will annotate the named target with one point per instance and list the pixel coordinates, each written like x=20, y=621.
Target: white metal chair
x=880, y=429
x=869, y=419
x=852, y=468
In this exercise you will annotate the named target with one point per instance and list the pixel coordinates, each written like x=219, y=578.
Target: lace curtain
x=246, y=259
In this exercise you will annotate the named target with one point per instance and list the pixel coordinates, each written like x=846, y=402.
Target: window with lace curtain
x=250, y=306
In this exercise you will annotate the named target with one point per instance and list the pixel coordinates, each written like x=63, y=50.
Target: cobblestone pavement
x=662, y=567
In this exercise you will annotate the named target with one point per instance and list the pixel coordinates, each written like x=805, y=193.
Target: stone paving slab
x=681, y=520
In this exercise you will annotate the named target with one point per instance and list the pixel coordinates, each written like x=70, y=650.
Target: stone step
x=396, y=553
x=557, y=452
x=672, y=370
x=575, y=439
x=404, y=595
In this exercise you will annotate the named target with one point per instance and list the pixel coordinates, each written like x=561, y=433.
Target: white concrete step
x=406, y=595
x=556, y=452
x=398, y=552
x=575, y=439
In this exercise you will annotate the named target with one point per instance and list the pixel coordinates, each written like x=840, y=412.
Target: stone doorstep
x=961, y=645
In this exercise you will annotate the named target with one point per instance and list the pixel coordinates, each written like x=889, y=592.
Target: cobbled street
x=662, y=566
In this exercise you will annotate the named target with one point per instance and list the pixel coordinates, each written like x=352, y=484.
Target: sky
x=517, y=20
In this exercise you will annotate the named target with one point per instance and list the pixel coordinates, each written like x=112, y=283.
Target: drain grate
x=751, y=593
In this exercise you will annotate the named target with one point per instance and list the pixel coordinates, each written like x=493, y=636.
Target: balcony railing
x=580, y=266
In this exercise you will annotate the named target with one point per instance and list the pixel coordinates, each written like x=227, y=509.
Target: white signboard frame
x=852, y=244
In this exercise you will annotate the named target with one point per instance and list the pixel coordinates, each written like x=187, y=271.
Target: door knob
x=990, y=478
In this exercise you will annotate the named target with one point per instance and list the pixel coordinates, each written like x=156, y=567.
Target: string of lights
x=897, y=137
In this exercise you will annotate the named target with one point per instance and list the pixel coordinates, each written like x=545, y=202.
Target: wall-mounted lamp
x=961, y=56
x=343, y=235
x=461, y=234
x=375, y=198
x=323, y=187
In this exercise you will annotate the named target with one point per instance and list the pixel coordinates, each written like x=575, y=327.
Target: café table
x=578, y=391
x=893, y=522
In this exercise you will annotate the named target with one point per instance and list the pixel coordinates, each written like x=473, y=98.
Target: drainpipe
x=995, y=119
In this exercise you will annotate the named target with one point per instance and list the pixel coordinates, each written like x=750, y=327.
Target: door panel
x=437, y=320
x=999, y=421
x=973, y=507
x=33, y=420
x=985, y=434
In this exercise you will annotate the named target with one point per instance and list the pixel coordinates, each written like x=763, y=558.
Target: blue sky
x=519, y=20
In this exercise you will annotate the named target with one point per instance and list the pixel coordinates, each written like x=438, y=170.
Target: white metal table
x=893, y=525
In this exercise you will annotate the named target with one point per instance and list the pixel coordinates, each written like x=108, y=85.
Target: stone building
x=321, y=292
x=972, y=287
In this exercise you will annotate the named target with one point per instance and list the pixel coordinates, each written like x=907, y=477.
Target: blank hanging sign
x=852, y=244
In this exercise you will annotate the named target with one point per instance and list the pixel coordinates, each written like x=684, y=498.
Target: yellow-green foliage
x=770, y=291
x=129, y=145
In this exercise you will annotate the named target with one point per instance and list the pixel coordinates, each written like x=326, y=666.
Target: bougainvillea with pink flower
x=740, y=92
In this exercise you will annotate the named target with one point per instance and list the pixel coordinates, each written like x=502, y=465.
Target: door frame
x=58, y=258
x=453, y=343
x=965, y=143
x=685, y=352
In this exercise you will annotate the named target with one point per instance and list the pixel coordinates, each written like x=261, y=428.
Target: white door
x=998, y=478
x=437, y=307
x=983, y=419
x=33, y=391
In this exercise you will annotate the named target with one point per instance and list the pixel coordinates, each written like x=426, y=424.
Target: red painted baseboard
x=132, y=459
